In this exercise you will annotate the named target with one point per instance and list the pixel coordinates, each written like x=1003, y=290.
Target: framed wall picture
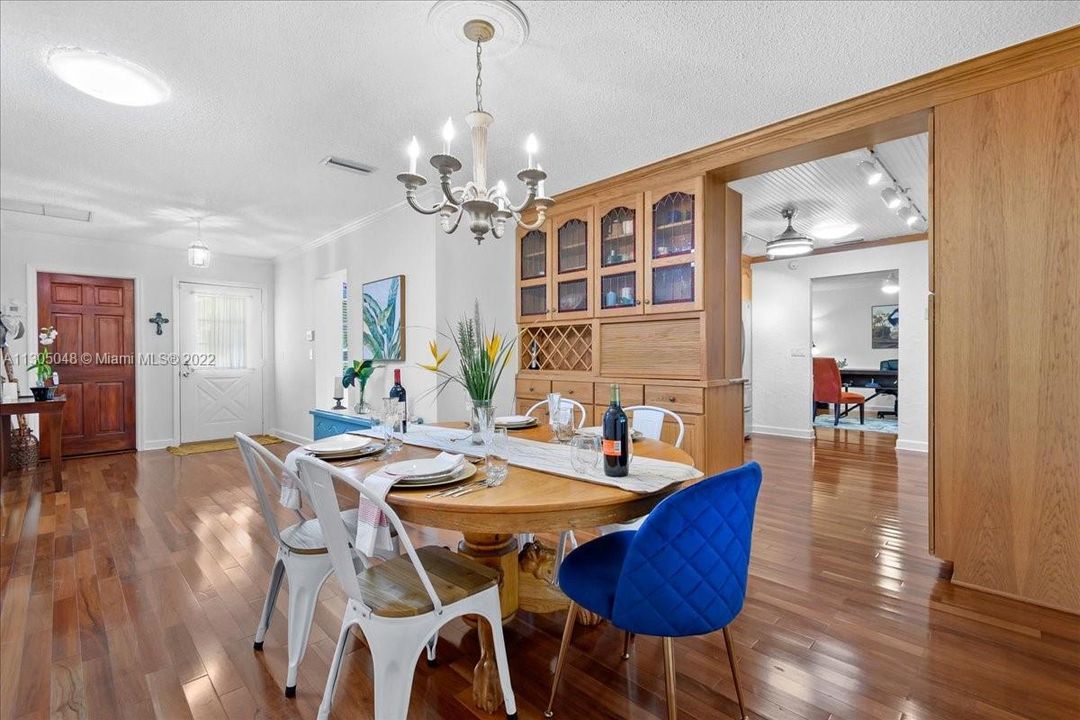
x=884, y=327
x=384, y=319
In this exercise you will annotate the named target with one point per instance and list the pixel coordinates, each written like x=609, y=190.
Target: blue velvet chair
x=682, y=573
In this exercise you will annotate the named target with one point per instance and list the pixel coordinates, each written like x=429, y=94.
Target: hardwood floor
x=135, y=594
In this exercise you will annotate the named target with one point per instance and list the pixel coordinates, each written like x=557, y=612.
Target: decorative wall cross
x=159, y=320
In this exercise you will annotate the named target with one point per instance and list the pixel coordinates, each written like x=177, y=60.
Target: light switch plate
x=309, y=335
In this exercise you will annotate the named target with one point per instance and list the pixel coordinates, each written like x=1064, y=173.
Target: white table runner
x=647, y=475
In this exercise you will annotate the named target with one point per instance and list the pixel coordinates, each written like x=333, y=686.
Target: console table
x=335, y=422
x=50, y=412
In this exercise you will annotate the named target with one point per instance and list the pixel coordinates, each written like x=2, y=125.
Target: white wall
x=781, y=325
x=443, y=275
x=840, y=325
x=156, y=272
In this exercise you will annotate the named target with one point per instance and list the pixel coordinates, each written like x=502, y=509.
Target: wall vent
x=345, y=164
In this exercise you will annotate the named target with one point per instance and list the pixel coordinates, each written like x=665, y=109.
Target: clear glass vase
x=481, y=415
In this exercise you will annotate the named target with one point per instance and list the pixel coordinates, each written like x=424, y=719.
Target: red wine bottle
x=616, y=440
x=398, y=391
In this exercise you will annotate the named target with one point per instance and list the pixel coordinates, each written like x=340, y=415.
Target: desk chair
x=828, y=389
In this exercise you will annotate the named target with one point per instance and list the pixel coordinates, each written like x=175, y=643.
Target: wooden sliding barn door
x=95, y=319
x=1007, y=339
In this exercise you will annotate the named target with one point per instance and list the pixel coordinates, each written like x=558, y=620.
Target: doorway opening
x=220, y=332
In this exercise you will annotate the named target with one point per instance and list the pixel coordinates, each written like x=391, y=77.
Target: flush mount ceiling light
x=829, y=231
x=790, y=242
x=488, y=206
x=871, y=172
x=107, y=78
x=891, y=285
x=198, y=255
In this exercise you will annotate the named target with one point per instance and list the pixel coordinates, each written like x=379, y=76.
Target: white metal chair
x=302, y=557
x=563, y=403
x=395, y=603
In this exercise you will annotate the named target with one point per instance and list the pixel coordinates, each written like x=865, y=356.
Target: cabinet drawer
x=629, y=394
x=580, y=391
x=679, y=399
x=532, y=388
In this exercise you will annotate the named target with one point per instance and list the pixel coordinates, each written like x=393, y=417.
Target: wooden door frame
x=61, y=268
x=267, y=350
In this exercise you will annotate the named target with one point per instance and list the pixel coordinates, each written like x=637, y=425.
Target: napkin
x=373, y=527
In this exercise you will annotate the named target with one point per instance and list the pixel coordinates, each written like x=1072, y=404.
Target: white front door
x=221, y=355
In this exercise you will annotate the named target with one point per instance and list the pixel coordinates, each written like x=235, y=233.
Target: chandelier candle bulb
x=414, y=154
x=531, y=146
x=447, y=135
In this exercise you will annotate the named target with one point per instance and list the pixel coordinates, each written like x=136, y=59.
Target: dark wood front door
x=95, y=352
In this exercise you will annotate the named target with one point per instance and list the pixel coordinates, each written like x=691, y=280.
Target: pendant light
x=790, y=242
x=891, y=285
x=198, y=255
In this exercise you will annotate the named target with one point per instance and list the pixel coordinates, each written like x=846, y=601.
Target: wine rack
x=562, y=348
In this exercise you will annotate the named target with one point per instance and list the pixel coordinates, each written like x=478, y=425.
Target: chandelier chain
x=479, y=81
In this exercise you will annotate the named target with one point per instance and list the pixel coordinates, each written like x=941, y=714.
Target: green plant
x=482, y=357
x=41, y=366
x=359, y=373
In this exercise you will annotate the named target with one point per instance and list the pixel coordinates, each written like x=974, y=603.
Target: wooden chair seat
x=393, y=589
x=850, y=398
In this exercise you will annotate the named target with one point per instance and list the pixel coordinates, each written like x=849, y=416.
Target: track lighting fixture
x=871, y=172
x=895, y=196
x=890, y=286
x=908, y=214
x=891, y=197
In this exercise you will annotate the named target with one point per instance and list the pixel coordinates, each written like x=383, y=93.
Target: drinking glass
x=390, y=418
x=585, y=454
x=562, y=424
x=497, y=451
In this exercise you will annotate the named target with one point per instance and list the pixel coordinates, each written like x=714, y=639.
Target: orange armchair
x=828, y=389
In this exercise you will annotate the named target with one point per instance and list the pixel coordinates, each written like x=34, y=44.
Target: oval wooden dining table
x=528, y=501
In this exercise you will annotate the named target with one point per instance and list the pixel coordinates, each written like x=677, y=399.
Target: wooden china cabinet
x=640, y=286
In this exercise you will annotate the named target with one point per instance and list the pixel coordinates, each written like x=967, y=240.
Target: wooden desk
x=50, y=411
x=528, y=501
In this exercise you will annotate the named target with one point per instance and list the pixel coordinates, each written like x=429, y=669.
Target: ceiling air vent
x=345, y=164
x=46, y=210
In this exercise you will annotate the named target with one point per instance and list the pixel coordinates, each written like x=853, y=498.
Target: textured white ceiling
x=832, y=191
x=262, y=91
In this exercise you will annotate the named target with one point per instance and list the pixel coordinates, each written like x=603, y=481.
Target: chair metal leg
x=669, y=673
x=568, y=632
x=734, y=673
x=862, y=413
x=628, y=640
x=836, y=414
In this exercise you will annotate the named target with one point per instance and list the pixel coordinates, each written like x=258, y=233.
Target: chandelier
x=488, y=208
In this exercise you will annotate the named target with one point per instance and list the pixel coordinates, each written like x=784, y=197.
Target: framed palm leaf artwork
x=384, y=319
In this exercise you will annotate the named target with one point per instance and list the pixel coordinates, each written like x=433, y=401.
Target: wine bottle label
x=613, y=447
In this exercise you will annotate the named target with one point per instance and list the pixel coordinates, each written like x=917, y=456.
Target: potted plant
x=359, y=373
x=41, y=366
x=482, y=359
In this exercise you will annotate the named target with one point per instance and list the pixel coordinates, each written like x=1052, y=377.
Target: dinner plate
x=370, y=449
x=338, y=444
x=515, y=421
x=599, y=431
x=422, y=468
x=464, y=473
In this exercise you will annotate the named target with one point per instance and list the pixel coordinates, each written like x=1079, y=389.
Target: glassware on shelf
x=573, y=246
x=534, y=300
x=673, y=284
x=572, y=295
x=673, y=229
x=533, y=255
x=618, y=290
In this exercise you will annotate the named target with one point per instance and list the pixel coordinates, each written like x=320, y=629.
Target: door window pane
x=573, y=296
x=617, y=241
x=573, y=246
x=618, y=290
x=221, y=329
x=533, y=255
x=673, y=225
x=673, y=284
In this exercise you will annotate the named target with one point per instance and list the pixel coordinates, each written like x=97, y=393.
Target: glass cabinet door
x=534, y=273
x=673, y=253
x=573, y=264
x=619, y=256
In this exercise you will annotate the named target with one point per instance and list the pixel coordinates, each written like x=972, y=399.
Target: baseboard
x=920, y=446
x=800, y=433
x=291, y=437
x=156, y=444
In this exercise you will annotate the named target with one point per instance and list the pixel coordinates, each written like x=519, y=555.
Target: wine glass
x=390, y=420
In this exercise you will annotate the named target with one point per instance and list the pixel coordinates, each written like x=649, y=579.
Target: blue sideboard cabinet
x=335, y=422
